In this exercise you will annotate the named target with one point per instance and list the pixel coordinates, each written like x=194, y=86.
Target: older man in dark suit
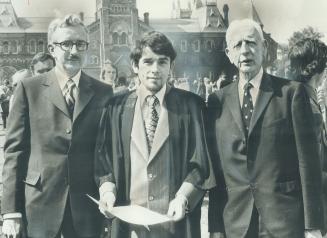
x=264, y=143
x=50, y=144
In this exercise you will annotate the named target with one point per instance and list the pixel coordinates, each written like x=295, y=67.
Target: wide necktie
x=69, y=96
x=152, y=121
x=247, y=107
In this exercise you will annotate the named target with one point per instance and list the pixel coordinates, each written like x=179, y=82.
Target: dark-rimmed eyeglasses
x=68, y=45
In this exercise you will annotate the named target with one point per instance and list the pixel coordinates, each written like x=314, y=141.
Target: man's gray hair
x=67, y=21
x=237, y=24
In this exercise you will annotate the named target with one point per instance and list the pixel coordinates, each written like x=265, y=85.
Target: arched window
x=123, y=39
x=40, y=46
x=183, y=45
x=5, y=47
x=115, y=37
x=32, y=47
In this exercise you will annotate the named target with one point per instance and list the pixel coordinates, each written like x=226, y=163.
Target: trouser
x=67, y=229
x=256, y=228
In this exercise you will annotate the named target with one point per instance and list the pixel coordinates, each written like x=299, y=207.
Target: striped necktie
x=69, y=96
x=151, y=122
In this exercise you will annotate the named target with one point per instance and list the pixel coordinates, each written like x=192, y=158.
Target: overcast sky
x=280, y=17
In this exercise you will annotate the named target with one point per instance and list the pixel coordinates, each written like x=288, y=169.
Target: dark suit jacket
x=49, y=158
x=185, y=148
x=276, y=168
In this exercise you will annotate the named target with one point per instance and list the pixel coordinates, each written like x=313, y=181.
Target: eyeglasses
x=68, y=45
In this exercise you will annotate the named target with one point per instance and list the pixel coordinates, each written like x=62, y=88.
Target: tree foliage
x=308, y=32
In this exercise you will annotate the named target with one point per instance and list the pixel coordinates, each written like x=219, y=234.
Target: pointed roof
x=254, y=14
x=8, y=18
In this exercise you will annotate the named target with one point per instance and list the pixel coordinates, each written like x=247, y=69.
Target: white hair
x=67, y=21
x=237, y=24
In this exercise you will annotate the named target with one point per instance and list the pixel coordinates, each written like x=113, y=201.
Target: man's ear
x=50, y=48
x=135, y=67
x=172, y=66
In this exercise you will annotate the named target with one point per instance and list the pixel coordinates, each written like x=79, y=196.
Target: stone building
x=197, y=32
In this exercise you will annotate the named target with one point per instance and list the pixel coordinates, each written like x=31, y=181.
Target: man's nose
x=244, y=47
x=155, y=67
x=73, y=49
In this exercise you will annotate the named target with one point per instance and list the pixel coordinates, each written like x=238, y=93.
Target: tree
x=308, y=32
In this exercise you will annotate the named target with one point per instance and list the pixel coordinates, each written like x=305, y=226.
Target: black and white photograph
x=163, y=119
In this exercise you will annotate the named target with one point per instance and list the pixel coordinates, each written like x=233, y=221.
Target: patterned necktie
x=151, y=122
x=247, y=107
x=69, y=96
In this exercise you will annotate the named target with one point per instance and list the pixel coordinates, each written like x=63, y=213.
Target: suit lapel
x=85, y=93
x=53, y=92
x=233, y=102
x=127, y=123
x=138, y=132
x=265, y=94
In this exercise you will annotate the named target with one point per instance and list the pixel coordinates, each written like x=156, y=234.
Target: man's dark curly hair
x=308, y=57
x=157, y=42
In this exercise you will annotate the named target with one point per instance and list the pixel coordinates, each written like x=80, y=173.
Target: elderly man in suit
x=152, y=151
x=50, y=143
x=264, y=143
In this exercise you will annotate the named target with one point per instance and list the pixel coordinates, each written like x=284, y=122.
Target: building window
x=196, y=46
x=210, y=45
x=14, y=47
x=210, y=75
x=94, y=59
x=94, y=44
x=183, y=45
x=123, y=39
x=40, y=46
x=32, y=47
x=5, y=47
x=198, y=75
x=115, y=37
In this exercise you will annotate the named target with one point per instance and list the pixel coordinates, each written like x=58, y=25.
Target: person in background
x=41, y=63
x=109, y=74
x=15, y=79
x=308, y=58
x=264, y=149
x=121, y=86
x=152, y=148
x=5, y=94
x=201, y=88
x=50, y=144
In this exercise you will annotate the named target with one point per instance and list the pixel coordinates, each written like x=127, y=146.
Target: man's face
x=42, y=67
x=70, y=61
x=246, y=50
x=153, y=70
x=110, y=75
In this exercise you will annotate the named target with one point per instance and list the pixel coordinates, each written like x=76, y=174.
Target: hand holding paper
x=177, y=208
x=107, y=201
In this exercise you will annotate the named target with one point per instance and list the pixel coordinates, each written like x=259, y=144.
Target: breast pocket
x=274, y=123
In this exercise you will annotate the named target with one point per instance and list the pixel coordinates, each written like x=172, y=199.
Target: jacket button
x=150, y=176
x=68, y=131
x=151, y=198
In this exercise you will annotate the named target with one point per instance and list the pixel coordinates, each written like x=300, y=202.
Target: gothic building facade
x=197, y=32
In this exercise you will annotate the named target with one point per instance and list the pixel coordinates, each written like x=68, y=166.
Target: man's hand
x=217, y=235
x=177, y=208
x=107, y=201
x=12, y=227
x=312, y=234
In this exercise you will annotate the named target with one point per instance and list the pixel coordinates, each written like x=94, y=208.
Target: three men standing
x=265, y=146
x=50, y=144
x=153, y=149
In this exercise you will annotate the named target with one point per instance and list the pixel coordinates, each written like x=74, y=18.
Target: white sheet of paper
x=137, y=215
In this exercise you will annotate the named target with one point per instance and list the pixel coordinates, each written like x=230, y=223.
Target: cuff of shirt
x=107, y=187
x=192, y=194
x=12, y=215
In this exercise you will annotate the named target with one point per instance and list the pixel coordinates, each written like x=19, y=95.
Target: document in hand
x=137, y=215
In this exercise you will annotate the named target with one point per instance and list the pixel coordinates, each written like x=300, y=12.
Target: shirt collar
x=142, y=93
x=256, y=81
x=63, y=78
